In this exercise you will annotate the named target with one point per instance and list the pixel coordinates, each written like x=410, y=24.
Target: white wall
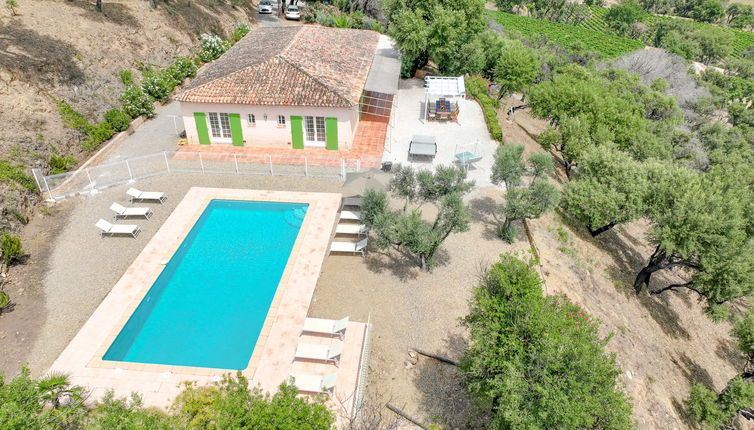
x=266, y=133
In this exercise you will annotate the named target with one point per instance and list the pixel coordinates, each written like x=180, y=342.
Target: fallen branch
x=436, y=357
x=407, y=416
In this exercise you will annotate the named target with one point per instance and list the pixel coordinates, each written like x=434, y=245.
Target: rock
x=412, y=353
x=407, y=364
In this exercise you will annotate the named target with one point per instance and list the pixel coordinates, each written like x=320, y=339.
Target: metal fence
x=94, y=178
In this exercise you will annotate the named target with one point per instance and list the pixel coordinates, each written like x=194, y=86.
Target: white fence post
x=343, y=168
x=49, y=193
x=306, y=167
x=167, y=165
x=128, y=166
x=201, y=162
x=235, y=159
x=91, y=183
x=272, y=173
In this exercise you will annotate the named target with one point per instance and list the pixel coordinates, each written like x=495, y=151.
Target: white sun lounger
x=350, y=247
x=351, y=229
x=350, y=215
x=325, y=326
x=123, y=212
x=311, y=351
x=314, y=383
x=135, y=194
x=352, y=201
x=113, y=229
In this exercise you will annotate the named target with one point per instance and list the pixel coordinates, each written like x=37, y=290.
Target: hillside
x=66, y=49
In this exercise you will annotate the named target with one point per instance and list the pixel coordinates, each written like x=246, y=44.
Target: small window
x=252, y=120
x=281, y=120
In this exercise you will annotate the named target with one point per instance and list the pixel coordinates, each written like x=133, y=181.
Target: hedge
x=476, y=86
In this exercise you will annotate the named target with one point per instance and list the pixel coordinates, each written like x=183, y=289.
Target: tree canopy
x=538, y=362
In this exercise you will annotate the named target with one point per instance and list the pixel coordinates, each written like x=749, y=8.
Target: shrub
x=158, y=86
x=71, y=118
x=137, y=103
x=476, y=87
x=13, y=173
x=181, y=69
x=98, y=134
x=127, y=77
x=212, y=47
x=59, y=164
x=10, y=246
x=325, y=19
x=342, y=21
x=118, y=119
x=239, y=31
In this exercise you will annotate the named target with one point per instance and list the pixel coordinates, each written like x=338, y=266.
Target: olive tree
x=406, y=230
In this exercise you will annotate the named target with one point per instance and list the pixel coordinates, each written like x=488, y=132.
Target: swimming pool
x=208, y=306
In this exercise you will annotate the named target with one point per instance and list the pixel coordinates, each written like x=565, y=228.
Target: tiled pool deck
x=272, y=359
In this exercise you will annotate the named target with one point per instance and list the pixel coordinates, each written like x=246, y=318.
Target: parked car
x=292, y=12
x=265, y=6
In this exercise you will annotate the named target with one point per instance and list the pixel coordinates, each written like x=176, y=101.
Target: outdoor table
x=423, y=145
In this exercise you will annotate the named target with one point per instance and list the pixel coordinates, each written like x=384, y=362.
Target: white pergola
x=442, y=86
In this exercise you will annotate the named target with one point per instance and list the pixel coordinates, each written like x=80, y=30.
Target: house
x=291, y=87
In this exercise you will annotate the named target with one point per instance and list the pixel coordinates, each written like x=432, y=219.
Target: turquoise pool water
x=207, y=307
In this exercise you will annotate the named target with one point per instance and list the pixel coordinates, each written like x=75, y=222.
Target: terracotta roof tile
x=301, y=66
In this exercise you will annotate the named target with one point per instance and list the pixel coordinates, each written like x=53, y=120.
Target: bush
x=118, y=119
x=127, y=77
x=239, y=31
x=325, y=19
x=476, y=87
x=137, y=103
x=71, y=118
x=159, y=86
x=13, y=173
x=10, y=246
x=181, y=69
x=212, y=47
x=98, y=134
x=59, y=164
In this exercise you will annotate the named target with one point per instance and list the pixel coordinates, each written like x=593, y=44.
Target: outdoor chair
x=314, y=383
x=124, y=212
x=135, y=194
x=325, y=326
x=308, y=351
x=350, y=247
x=350, y=215
x=360, y=229
x=117, y=229
x=352, y=201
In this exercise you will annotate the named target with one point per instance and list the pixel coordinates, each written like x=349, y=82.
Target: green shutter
x=331, y=133
x=297, y=132
x=201, y=127
x=236, y=132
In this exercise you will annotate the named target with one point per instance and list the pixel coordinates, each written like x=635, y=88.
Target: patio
x=468, y=134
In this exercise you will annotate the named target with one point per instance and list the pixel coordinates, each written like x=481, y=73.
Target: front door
x=314, y=131
x=219, y=125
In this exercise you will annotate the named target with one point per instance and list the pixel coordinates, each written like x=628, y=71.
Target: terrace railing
x=95, y=178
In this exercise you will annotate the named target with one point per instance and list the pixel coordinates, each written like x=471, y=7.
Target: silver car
x=265, y=6
x=292, y=12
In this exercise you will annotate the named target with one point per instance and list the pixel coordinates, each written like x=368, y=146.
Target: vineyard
x=742, y=40
x=607, y=45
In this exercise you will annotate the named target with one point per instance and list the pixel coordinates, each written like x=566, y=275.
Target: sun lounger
x=325, y=326
x=309, y=351
x=350, y=247
x=351, y=229
x=352, y=201
x=123, y=212
x=314, y=383
x=135, y=194
x=350, y=215
x=114, y=229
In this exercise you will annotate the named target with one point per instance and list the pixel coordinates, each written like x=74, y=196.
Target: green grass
x=571, y=37
x=13, y=173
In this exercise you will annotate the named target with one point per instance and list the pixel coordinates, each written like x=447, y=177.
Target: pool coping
x=82, y=357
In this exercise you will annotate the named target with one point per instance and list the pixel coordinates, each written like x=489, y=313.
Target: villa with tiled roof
x=292, y=87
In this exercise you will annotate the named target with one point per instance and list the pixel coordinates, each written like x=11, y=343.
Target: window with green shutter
x=331, y=133
x=201, y=127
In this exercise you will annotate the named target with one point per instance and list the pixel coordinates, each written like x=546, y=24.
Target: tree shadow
x=196, y=17
x=692, y=370
x=727, y=349
x=484, y=210
x=36, y=58
x=402, y=267
x=680, y=408
x=112, y=13
x=443, y=391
